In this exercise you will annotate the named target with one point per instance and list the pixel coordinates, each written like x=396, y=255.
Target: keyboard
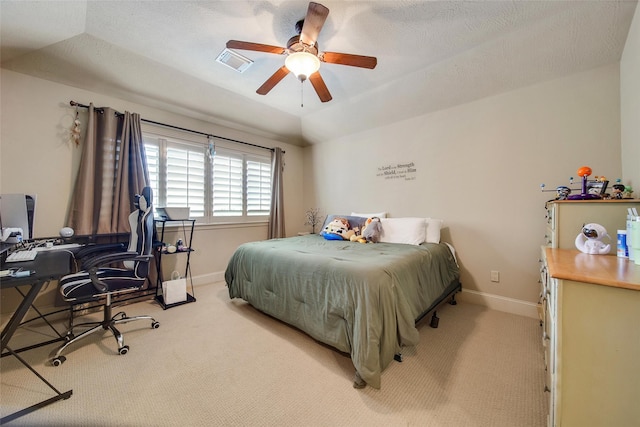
x=26, y=255
x=65, y=247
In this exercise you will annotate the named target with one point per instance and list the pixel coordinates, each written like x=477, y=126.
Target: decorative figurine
x=618, y=189
x=584, y=172
x=562, y=192
x=590, y=189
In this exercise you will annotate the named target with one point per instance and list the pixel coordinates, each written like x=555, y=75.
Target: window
x=233, y=185
x=258, y=187
x=227, y=181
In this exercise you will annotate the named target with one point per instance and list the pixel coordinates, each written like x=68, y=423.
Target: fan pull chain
x=302, y=94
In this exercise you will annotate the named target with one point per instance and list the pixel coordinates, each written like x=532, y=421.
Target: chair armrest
x=92, y=266
x=92, y=249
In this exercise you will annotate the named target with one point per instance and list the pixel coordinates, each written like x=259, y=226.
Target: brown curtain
x=276, y=220
x=113, y=169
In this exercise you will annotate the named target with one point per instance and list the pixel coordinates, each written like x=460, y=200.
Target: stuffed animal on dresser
x=590, y=240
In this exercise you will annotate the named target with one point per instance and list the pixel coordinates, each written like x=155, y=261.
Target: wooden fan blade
x=348, y=59
x=321, y=89
x=313, y=22
x=273, y=80
x=236, y=44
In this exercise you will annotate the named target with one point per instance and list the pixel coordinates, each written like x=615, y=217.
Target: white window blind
x=153, y=165
x=228, y=183
x=258, y=188
x=232, y=185
x=185, y=178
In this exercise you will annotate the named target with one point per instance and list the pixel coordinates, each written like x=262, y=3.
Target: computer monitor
x=18, y=211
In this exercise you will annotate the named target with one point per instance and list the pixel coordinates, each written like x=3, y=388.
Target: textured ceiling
x=431, y=55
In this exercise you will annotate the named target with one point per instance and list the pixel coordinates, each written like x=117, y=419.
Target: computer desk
x=48, y=265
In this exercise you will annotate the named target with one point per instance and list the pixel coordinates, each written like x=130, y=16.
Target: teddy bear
x=371, y=230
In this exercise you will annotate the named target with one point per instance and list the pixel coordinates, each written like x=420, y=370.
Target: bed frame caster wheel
x=124, y=350
x=155, y=325
x=434, y=321
x=57, y=361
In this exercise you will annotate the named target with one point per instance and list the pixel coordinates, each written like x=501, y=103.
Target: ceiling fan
x=303, y=58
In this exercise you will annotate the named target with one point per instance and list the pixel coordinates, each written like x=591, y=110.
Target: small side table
x=187, y=224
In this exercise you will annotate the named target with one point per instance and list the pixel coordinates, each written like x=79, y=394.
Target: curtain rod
x=77, y=104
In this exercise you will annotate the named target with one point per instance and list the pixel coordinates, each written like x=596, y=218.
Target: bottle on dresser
x=633, y=235
x=623, y=249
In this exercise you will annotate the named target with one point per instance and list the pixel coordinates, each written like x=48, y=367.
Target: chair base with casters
x=107, y=324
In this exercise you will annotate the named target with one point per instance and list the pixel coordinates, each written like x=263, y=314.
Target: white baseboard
x=494, y=302
x=207, y=279
x=500, y=303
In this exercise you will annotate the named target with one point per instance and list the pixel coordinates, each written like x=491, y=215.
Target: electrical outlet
x=495, y=276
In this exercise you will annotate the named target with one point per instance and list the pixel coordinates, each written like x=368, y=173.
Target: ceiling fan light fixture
x=302, y=64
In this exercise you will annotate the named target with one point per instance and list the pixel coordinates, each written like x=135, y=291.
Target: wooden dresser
x=591, y=334
x=565, y=219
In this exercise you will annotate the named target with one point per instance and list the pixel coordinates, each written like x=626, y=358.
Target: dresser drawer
x=549, y=237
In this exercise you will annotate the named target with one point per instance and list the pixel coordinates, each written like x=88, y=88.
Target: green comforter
x=362, y=299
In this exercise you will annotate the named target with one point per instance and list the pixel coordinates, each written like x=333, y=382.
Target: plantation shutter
x=152, y=151
x=227, y=182
x=258, y=187
x=220, y=181
x=185, y=177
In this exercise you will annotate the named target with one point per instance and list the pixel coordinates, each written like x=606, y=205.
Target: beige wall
x=630, y=106
x=36, y=157
x=479, y=167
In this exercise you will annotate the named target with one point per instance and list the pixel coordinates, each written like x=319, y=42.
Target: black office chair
x=99, y=280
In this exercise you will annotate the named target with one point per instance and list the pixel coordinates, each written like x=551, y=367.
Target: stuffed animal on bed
x=338, y=229
x=371, y=230
x=356, y=236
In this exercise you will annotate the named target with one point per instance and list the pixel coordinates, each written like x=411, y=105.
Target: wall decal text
x=404, y=171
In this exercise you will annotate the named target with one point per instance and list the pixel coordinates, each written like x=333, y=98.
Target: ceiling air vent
x=234, y=60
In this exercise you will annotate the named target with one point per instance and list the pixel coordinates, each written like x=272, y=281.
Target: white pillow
x=433, y=230
x=410, y=231
x=370, y=215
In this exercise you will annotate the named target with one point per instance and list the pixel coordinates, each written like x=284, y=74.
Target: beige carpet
x=220, y=362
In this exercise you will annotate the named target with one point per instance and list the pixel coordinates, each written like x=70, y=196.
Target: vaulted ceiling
x=431, y=55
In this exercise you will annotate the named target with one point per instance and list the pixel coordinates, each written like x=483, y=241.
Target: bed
x=362, y=299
